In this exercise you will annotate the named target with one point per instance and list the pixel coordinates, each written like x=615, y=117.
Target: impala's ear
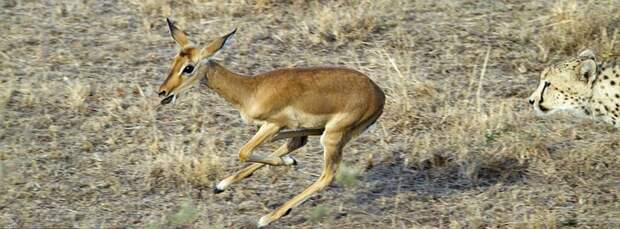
x=215, y=46
x=177, y=34
x=587, y=71
x=587, y=54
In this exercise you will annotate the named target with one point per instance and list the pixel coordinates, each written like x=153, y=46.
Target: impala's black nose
x=162, y=93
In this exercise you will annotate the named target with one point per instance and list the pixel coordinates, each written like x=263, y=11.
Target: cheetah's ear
x=587, y=54
x=587, y=71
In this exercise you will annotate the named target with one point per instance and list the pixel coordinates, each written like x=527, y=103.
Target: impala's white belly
x=291, y=118
x=300, y=119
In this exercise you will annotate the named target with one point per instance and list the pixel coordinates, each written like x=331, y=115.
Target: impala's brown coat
x=336, y=103
x=298, y=98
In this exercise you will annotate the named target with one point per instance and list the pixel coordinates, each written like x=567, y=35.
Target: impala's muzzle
x=170, y=98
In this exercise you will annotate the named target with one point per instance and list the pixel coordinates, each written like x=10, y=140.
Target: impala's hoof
x=216, y=190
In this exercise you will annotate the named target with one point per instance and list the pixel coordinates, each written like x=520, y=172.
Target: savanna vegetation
x=84, y=144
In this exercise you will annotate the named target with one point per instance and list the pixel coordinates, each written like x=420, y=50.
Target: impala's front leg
x=266, y=132
x=290, y=146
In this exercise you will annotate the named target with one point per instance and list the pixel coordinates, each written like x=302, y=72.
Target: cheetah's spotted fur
x=580, y=85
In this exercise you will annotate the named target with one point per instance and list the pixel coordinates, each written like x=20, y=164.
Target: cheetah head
x=566, y=86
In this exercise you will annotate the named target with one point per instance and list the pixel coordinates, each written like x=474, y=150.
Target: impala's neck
x=235, y=88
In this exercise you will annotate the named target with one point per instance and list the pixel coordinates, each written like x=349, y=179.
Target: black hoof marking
x=217, y=190
x=294, y=164
x=287, y=212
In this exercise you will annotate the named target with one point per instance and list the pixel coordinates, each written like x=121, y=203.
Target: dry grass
x=83, y=143
x=589, y=24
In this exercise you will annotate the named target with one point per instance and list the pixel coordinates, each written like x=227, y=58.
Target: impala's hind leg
x=288, y=147
x=332, y=144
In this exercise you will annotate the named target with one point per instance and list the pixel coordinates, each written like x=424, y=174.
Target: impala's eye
x=188, y=69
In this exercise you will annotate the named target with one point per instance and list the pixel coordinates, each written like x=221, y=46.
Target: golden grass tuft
x=181, y=168
x=77, y=93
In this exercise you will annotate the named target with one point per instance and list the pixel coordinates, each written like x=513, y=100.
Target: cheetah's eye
x=188, y=69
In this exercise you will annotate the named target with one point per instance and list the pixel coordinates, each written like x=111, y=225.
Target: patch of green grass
x=185, y=216
x=348, y=176
x=319, y=213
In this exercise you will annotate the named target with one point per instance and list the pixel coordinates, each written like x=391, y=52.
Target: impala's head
x=565, y=86
x=186, y=65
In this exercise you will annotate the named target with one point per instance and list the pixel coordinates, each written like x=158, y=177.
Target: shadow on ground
x=434, y=179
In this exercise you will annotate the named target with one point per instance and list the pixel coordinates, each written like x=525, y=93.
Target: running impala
x=294, y=103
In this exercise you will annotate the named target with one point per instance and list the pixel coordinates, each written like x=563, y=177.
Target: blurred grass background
x=82, y=145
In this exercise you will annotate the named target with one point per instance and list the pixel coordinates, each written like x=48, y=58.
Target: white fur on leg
x=288, y=160
x=223, y=184
x=263, y=221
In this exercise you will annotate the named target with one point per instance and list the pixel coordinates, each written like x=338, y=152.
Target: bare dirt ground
x=84, y=145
